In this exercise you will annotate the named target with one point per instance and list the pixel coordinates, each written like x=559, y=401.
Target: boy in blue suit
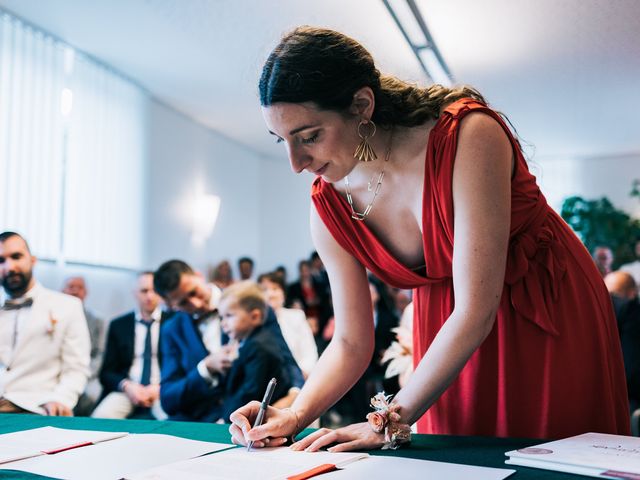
x=242, y=312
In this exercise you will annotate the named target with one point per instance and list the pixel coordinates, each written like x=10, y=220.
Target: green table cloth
x=481, y=451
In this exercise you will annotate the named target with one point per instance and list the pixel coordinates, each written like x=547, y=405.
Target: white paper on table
x=116, y=459
x=36, y=441
x=600, y=451
x=386, y=468
x=239, y=464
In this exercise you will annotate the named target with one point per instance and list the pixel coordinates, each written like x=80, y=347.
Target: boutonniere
x=52, y=324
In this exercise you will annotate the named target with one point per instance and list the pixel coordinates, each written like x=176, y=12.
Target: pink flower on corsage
x=377, y=421
x=52, y=325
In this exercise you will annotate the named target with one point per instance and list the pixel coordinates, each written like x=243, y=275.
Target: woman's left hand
x=358, y=436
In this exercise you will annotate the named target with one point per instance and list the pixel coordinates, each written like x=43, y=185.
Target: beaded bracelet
x=386, y=419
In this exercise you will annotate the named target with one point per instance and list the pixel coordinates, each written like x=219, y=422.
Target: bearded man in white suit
x=44, y=339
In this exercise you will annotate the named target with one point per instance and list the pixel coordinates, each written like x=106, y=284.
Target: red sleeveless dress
x=552, y=365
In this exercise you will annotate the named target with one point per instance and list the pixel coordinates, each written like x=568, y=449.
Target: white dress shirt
x=211, y=333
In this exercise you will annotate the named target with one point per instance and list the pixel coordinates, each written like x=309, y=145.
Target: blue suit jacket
x=184, y=394
x=260, y=359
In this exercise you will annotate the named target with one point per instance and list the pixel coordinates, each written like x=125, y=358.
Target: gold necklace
x=360, y=216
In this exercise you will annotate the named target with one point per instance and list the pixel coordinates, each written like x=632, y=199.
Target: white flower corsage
x=386, y=418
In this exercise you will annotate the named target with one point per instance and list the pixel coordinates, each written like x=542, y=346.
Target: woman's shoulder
x=460, y=107
x=472, y=120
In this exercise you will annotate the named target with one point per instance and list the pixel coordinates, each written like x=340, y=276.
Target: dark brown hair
x=327, y=68
x=167, y=278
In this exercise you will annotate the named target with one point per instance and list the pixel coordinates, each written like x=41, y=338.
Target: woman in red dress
x=514, y=332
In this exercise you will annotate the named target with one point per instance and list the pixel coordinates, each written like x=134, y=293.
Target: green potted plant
x=598, y=222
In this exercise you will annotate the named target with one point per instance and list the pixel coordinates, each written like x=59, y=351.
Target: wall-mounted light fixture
x=205, y=211
x=409, y=19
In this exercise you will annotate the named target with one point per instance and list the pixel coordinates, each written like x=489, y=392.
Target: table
x=482, y=451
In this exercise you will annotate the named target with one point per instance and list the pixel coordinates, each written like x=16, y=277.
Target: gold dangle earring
x=365, y=152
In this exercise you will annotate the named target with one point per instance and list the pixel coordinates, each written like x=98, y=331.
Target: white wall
x=264, y=211
x=284, y=208
x=109, y=291
x=590, y=178
x=261, y=200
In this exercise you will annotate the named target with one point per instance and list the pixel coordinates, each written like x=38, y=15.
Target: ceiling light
x=408, y=18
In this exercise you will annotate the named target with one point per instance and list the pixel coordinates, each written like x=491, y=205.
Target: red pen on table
x=68, y=447
x=82, y=444
x=319, y=470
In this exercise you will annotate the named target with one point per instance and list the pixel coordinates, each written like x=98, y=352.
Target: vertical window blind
x=72, y=151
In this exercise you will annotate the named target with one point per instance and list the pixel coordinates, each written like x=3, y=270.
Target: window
x=72, y=151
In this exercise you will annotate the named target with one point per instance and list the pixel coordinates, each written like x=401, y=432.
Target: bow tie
x=17, y=304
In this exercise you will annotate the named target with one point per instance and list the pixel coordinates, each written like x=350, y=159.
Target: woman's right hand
x=278, y=425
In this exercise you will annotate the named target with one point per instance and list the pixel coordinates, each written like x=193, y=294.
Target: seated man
x=130, y=373
x=44, y=340
x=624, y=295
x=242, y=313
x=633, y=268
x=76, y=286
x=194, y=359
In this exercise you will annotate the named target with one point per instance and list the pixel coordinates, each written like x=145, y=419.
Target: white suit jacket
x=50, y=361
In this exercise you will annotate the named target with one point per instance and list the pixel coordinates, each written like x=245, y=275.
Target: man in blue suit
x=196, y=354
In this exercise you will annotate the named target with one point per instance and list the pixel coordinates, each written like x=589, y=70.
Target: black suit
x=628, y=317
x=324, y=310
x=260, y=359
x=119, y=352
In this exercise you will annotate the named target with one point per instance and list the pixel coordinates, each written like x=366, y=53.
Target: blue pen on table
x=266, y=400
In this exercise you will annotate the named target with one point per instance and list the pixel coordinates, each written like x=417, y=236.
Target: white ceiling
x=566, y=72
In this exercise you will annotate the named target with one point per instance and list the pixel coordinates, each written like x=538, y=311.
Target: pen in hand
x=263, y=407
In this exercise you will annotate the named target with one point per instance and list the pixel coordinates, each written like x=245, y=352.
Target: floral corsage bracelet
x=386, y=419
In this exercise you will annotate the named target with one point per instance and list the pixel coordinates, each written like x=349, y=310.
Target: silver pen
x=263, y=407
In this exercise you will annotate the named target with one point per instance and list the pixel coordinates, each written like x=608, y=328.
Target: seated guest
x=130, y=373
x=76, y=286
x=634, y=267
x=194, y=360
x=242, y=312
x=281, y=272
x=624, y=294
x=293, y=323
x=44, y=341
x=245, y=268
x=222, y=275
x=603, y=257
x=305, y=294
